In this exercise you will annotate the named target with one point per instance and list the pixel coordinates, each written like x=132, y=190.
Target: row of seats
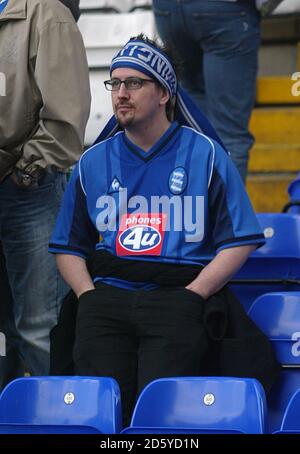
x=170, y=405
x=85, y=405
x=278, y=316
x=268, y=285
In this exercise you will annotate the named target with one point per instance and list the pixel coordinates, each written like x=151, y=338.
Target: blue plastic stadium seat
x=278, y=315
x=61, y=405
x=294, y=192
x=200, y=405
x=274, y=267
x=13, y=428
x=291, y=417
x=282, y=392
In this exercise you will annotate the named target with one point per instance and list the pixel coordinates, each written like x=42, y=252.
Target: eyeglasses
x=131, y=83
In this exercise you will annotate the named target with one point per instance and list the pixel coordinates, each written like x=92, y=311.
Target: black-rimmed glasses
x=131, y=83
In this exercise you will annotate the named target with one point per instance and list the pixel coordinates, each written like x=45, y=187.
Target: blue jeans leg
x=27, y=218
x=217, y=44
x=170, y=18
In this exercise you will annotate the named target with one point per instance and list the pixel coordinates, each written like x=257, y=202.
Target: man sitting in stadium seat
x=154, y=202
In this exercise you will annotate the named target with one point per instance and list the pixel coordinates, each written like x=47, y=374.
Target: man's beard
x=124, y=122
x=124, y=119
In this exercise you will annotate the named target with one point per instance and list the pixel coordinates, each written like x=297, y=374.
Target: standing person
x=217, y=42
x=154, y=202
x=43, y=113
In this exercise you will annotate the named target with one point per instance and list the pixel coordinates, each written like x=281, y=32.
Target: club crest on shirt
x=178, y=180
x=141, y=234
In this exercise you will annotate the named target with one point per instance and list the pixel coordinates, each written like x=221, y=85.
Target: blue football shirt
x=180, y=202
x=3, y=4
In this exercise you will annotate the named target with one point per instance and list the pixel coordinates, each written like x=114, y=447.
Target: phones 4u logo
x=296, y=86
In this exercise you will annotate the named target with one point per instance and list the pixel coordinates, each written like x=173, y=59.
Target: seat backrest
x=281, y=393
x=294, y=192
x=279, y=258
x=294, y=188
x=174, y=430
x=91, y=401
x=278, y=316
x=14, y=428
x=207, y=404
x=274, y=267
x=291, y=418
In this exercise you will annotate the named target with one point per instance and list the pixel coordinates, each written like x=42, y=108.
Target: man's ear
x=165, y=96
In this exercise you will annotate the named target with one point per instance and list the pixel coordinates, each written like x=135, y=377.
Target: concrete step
x=278, y=59
x=278, y=90
x=280, y=28
x=268, y=193
x=276, y=125
x=275, y=158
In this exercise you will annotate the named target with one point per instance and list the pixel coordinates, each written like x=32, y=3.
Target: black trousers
x=138, y=336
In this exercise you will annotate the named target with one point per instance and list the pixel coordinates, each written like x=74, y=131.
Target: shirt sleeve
x=74, y=232
x=232, y=218
x=61, y=74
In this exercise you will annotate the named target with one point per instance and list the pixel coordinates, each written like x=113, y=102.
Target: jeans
x=139, y=336
x=31, y=287
x=11, y=364
x=217, y=43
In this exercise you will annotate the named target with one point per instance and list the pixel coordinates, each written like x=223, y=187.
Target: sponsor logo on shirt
x=141, y=234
